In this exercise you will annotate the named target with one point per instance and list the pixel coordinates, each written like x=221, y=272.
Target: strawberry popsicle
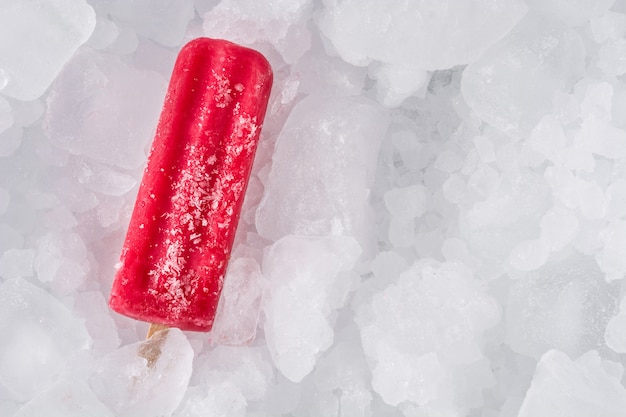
x=182, y=228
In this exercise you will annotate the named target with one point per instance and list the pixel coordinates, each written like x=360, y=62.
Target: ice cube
x=61, y=261
x=306, y=287
x=529, y=255
x=281, y=23
x=397, y=82
x=616, y=199
x=611, y=257
x=615, y=334
x=220, y=400
x=425, y=300
x=147, y=378
x=6, y=115
x=558, y=227
x=548, y=138
x=106, y=110
x=164, y=21
x=31, y=64
x=511, y=85
x=421, y=35
x=610, y=25
x=600, y=137
x=564, y=305
x=407, y=202
x=571, y=13
x=93, y=308
x=10, y=238
x=597, y=101
x=240, y=303
x=247, y=369
x=609, y=59
x=323, y=168
x=65, y=399
x=580, y=388
x=104, y=180
x=40, y=337
x=17, y=263
x=10, y=140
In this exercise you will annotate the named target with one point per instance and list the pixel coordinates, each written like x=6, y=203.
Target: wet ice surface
x=435, y=223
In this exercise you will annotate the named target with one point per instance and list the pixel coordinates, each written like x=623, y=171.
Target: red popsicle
x=182, y=228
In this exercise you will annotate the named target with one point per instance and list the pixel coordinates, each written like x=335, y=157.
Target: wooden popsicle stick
x=155, y=327
x=150, y=349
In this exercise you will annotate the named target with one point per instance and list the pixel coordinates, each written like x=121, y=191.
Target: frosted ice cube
x=529, y=255
x=323, y=168
x=506, y=217
x=548, y=137
x=40, y=336
x=106, y=110
x=65, y=399
x=147, y=378
x=616, y=199
x=105, y=180
x=6, y=115
x=611, y=257
x=427, y=299
x=615, y=334
x=422, y=35
x=5, y=198
x=343, y=373
x=326, y=75
x=484, y=180
x=59, y=218
x=388, y=265
x=572, y=13
x=306, y=287
x=220, y=400
x=401, y=232
x=503, y=90
x=610, y=57
x=10, y=140
x=397, y=82
x=456, y=249
x=580, y=388
x=31, y=64
x=61, y=260
x=396, y=380
x=164, y=21
x=563, y=305
x=600, y=137
x=10, y=238
x=558, y=227
x=281, y=23
x=597, y=101
x=247, y=369
x=413, y=37
x=17, y=263
x=26, y=113
x=104, y=34
x=455, y=189
x=240, y=303
x=485, y=148
x=610, y=25
x=592, y=200
x=407, y=202
x=93, y=308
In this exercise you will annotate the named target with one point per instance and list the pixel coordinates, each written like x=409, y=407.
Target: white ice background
x=435, y=225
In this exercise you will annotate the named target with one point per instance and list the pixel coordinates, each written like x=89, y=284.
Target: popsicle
x=181, y=231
